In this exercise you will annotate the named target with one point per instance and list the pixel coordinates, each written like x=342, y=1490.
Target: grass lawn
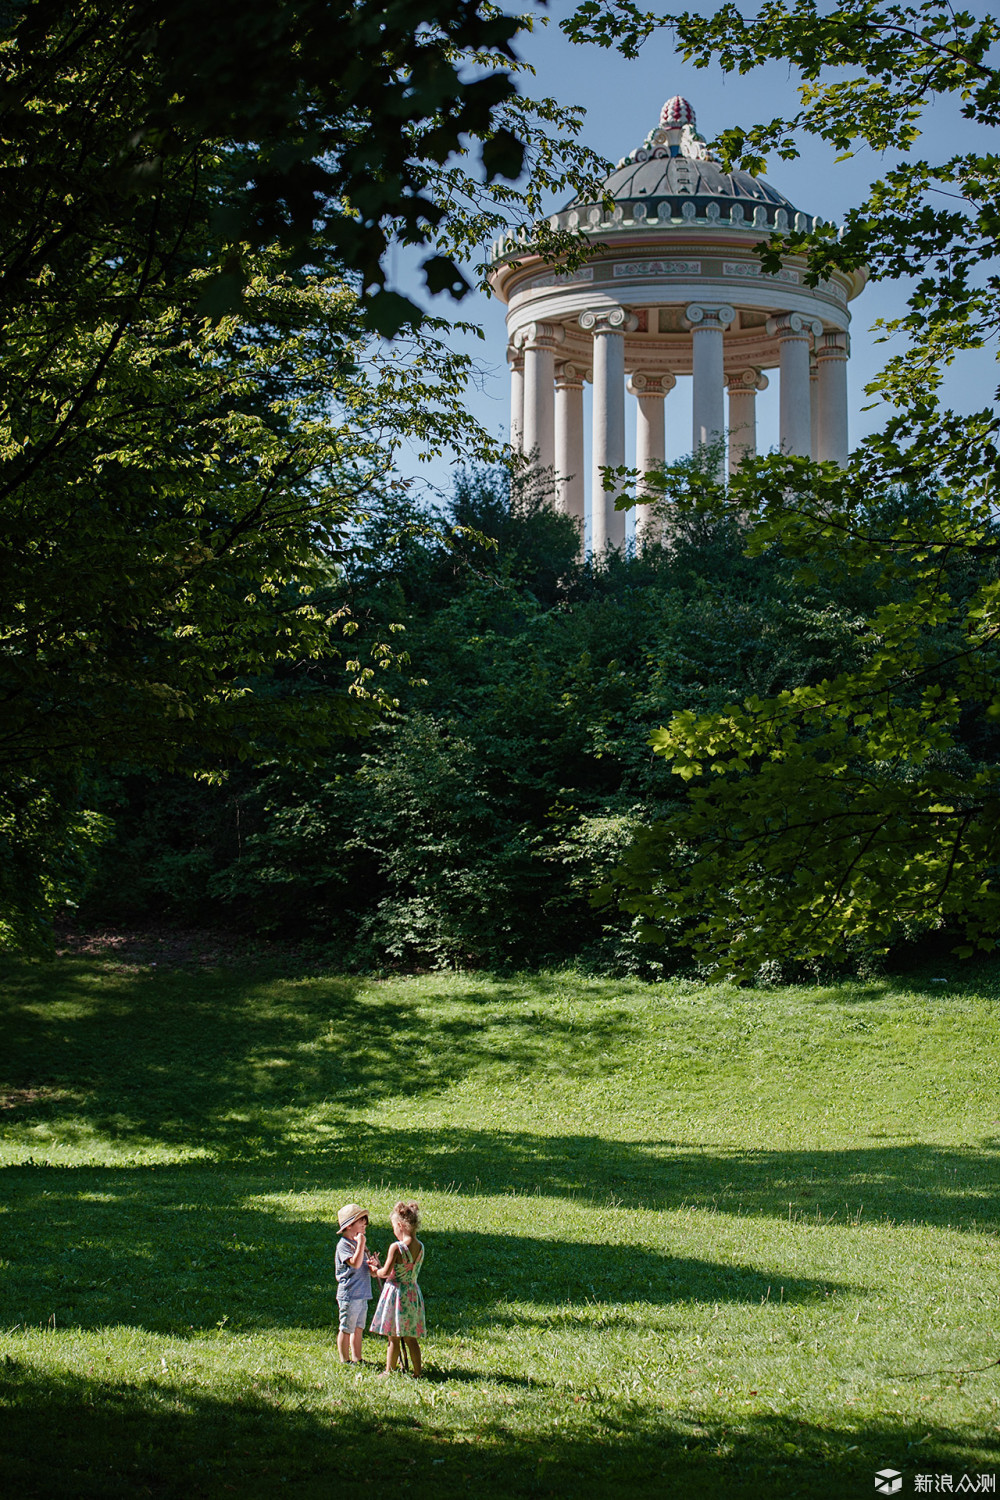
x=680, y=1241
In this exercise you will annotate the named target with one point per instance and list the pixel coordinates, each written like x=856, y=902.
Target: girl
x=400, y=1311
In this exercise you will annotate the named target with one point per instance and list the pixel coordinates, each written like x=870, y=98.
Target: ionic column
x=793, y=333
x=650, y=392
x=743, y=387
x=608, y=326
x=539, y=341
x=570, y=488
x=831, y=359
x=708, y=324
x=813, y=407
x=516, y=361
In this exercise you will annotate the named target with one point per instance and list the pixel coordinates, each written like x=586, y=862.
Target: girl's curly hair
x=410, y=1215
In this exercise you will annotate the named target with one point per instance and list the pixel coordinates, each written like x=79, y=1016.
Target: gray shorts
x=353, y=1314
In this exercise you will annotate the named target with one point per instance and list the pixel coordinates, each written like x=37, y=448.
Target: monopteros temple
x=673, y=288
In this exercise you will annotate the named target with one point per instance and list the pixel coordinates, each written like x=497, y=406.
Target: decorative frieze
x=627, y=268
x=562, y=278
x=752, y=269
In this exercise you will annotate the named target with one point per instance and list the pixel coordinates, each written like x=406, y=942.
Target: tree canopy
x=866, y=804
x=472, y=824
x=196, y=411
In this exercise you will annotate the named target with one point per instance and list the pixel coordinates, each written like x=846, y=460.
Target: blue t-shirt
x=354, y=1283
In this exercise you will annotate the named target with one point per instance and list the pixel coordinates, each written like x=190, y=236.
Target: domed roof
x=673, y=177
x=671, y=185
x=657, y=174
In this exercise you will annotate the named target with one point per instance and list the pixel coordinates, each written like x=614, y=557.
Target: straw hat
x=349, y=1213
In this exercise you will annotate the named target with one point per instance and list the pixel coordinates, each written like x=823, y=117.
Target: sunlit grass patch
x=679, y=1240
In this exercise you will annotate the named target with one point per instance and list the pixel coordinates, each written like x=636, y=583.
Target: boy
x=354, y=1282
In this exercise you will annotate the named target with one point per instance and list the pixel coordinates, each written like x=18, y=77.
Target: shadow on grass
x=173, y=1250
x=902, y=1183
x=265, y=1072
x=79, y=1437
x=218, y=1059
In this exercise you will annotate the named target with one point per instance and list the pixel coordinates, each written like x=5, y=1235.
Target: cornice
x=511, y=280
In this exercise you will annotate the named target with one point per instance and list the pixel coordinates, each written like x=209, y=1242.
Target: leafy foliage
x=849, y=810
x=844, y=812
x=472, y=825
x=346, y=121
x=194, y=414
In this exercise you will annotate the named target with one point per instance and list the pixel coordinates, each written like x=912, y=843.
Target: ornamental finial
x=677, y=112
x=675, y=135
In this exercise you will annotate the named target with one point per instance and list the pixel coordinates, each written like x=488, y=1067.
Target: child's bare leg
x=356, y=1337
x=392, y=1355
x=344, y=1348
x=413, y=1350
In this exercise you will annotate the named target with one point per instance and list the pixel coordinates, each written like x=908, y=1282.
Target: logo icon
x=888, y=1482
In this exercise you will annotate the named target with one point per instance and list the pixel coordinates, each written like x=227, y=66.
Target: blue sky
x=622, y=100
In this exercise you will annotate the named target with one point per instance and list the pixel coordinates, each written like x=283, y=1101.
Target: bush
x=472, y=825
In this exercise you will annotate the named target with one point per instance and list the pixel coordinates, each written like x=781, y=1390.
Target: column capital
x=717, y=316
x=794, y=326
x=743, y=382
x=570, y=374
x=651, y=385
x=608, y=320
x=515, y=356
x=833, y=346
x=540, y=335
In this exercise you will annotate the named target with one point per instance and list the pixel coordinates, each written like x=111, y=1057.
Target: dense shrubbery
x=472, y=825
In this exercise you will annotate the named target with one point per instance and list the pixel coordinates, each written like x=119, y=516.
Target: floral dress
x=400, y=1310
